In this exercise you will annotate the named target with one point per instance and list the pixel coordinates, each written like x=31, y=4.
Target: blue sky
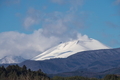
x=23, y=21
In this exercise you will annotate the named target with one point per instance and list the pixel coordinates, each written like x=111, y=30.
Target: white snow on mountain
x=66, y=49
x=11, y=59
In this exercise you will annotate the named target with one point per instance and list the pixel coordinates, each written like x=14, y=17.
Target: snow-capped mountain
x=66, y=49
x=11, y=59
x=93, y=60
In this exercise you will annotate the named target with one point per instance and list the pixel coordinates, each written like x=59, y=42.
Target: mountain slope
x=11, y=59
x=64, y=50
x=94, y=61
x=87, y=73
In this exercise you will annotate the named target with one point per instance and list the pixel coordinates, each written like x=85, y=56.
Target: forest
x=15, y=72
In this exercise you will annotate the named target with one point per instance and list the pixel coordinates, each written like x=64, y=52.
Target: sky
x=29, y=27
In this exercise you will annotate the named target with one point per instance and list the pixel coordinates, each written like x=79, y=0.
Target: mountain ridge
x=94, y=60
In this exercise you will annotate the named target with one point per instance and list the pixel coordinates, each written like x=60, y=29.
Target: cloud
x=33, y=17
x=29, y=21
x=55, y=23
x=63, y=24
x=28, y=45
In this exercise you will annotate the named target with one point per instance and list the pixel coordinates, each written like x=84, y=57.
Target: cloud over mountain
x=28, y=45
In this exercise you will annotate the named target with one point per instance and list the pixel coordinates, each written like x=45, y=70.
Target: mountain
x=66, y=49
x=94, y=61
x=11, y=59
x=112, y=71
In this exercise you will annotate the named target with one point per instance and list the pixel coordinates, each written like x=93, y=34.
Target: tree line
x=15, y=72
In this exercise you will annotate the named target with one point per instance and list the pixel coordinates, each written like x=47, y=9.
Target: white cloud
x=29, y=21
x=26, y=45
x=55, y=23
x=33, y=17
x=58, y=23
x=29, y=45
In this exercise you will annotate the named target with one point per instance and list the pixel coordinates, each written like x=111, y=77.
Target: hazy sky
x=28, y=27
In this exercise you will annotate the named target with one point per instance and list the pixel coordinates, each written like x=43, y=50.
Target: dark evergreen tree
x=110, y=77
x=14, y=72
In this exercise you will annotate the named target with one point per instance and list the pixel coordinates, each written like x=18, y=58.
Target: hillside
x=94, y=61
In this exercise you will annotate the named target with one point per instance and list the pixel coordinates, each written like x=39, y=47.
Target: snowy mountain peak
x=11, y=59
x=66, y=49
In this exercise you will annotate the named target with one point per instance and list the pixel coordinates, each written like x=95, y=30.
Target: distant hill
x=11, y=59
